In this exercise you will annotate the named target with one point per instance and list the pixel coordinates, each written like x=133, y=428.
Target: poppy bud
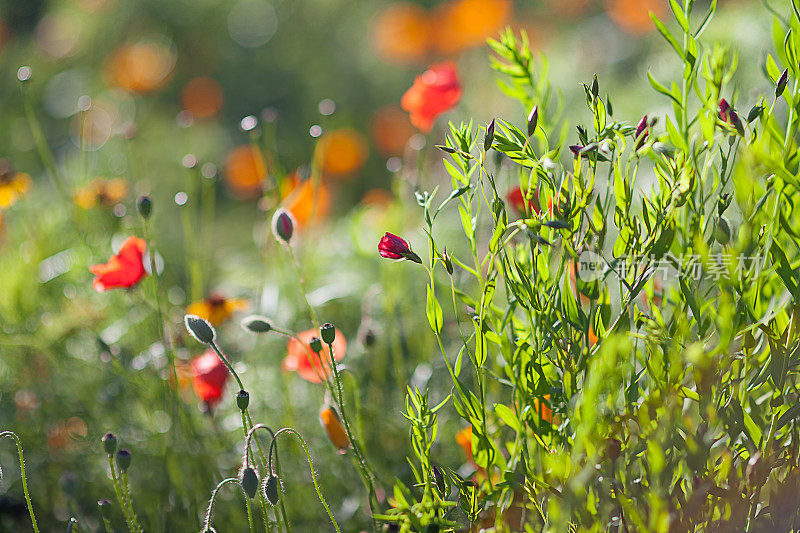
x=533, y=120
x=315, y=344
x=283, y=225
x=722, y=231
x=256, y=324
x=145, y=206
x=328, y=333
x=200, y=329
x=488, y=139
x=123, y=460
x=242, y=400
x=781, y=85
x=271, y=489
x=249, y=481
x=109, y=443
x=393, y=247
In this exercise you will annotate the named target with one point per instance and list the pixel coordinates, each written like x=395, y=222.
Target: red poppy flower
x=393, y=247
x=523, y=205
x=435, y=91
x=301, y=359
x=123, y=270
x=209, y=375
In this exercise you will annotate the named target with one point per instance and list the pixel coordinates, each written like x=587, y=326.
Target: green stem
x=18, y=442
x=127, y=494
x=122, y=502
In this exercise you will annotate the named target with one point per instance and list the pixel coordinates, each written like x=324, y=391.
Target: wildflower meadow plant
x=603, y=318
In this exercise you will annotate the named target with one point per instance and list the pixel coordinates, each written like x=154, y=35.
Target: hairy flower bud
x=249, y=481
x=271, y=488
x=283, y=224
x=200, y=329
x=145, y=206
x=123, y=460
x=328, y=333
x=109, y=443
x=257, y=324
x=242, y=399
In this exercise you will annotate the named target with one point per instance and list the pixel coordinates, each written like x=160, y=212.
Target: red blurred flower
x=209, y=375
x=393, y=247
x=435, y=91
x=123, y=270
x=523, y=205
x=301, y=359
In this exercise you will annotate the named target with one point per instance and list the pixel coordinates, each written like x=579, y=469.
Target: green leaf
x=434, y=311
x=662, y=29
x=706, y=20
x=790, y=414
x=680, y=16
x=507, y=416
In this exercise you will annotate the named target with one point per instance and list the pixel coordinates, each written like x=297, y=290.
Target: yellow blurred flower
x=333, y=426
x=101, y=192
x=216, y=308
x=13, y=184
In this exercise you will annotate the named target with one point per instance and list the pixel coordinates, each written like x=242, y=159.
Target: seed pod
x=123, y=460
x=533, y=120
x=249, y=481
x=257, y=324
x=488, y=139
x=200, y=329
x=145, y=206
x=327, y=332
x=448, y=261
x=283, y=224
x=722, y=231
x=109, y=443
x=242, y=399
x=271, y=489
x=315, y=344
x=781, y=85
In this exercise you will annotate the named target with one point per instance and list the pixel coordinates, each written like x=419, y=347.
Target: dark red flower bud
x=283, y=225
x=641, y=132
x=393, y=247
x=576, y=149
x=729, y=115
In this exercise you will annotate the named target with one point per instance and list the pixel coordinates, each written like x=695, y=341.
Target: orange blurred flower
x=216, y=308
x=329, y=419
x=13, y=184
x=380, y=198
x=306, y=201
x=65, y=433
x=464, y=439
x=463, y=24
x=343, y=151
x=401, y=32
x=434, y=92
x=141, y=67
x=633, y=16
x=301, y=359
x=542, y=407
x=102, y=192
x=124, y=270
x=202, y=97
x=391, y=129
x=592, y=337
x=245, y=170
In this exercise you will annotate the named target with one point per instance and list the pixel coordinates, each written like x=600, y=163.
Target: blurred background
x=200, y=104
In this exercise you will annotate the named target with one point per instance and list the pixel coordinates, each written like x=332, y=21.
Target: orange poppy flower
x=216, y=308
x=435, y=91
x=301, y=359
x=401, y=32
x=141, y=67
x=13, y=184
x=464, y=439
x=329, y=419
x=209, y=375
x=592, y=337
x=344, y=151
x=102, y=192
x=542, y=408
x=633, y=16
x=245, y=170
x=124, y=270
x=463, y=24
x=306, y=201
x=391, y=129
x=202, y=97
